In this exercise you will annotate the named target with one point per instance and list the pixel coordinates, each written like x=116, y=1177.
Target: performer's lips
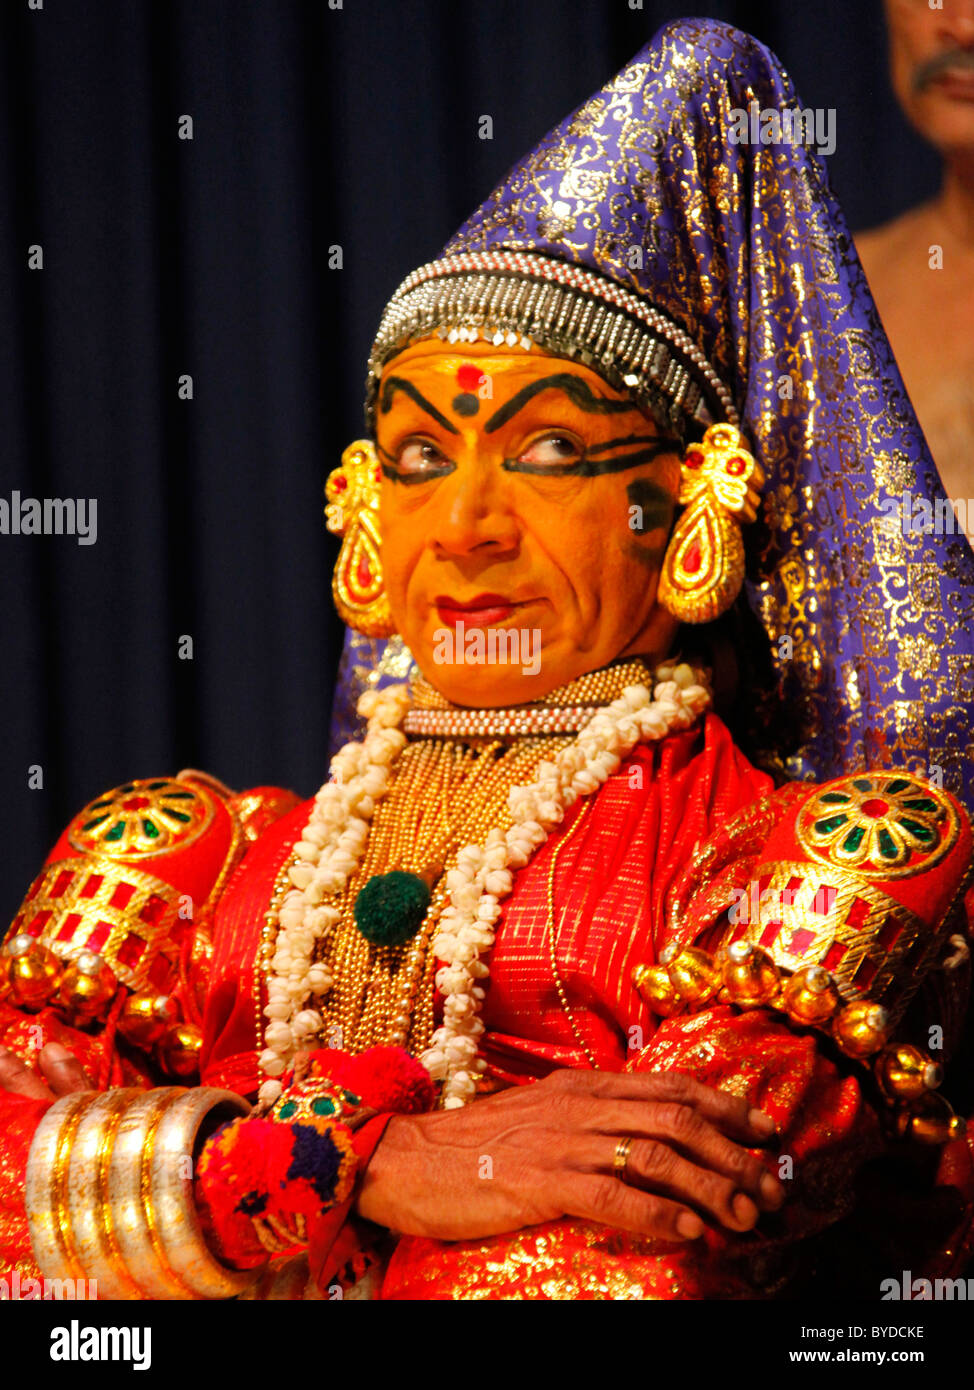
x=951, y=72
x=483, y=610
x=957, y=82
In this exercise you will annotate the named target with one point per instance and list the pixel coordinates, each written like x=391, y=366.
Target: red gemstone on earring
x=363, y=572
x=692, y=559
x=874, y=808
x=736, y=466
x=340, y=484
x=377, y=473
x=694, y=458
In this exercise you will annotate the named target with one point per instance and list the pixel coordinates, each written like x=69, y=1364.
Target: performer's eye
x=555, y=451
x=420, y=458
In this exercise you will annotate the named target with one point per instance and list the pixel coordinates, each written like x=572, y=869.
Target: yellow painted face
x=525, y=511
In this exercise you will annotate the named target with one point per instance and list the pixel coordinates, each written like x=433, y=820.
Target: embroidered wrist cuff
x=260, y=1180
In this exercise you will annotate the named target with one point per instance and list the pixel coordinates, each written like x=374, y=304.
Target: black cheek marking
x=466, y=403
x=655, y=506
x=649, y=555
x=654, y=518
x=647, y=541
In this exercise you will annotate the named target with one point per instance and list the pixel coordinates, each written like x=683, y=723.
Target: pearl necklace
x=333, y=841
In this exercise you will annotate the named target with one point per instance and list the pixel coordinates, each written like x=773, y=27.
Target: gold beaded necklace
x=445, y=793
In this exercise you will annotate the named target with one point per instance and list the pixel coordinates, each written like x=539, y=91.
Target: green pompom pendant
x=390, y=908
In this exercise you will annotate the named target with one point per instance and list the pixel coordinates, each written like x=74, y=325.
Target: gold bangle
x=126, y=1190
x=110, y=1193
x=168, y=1163
x=89, y=1216
x=45, y=1186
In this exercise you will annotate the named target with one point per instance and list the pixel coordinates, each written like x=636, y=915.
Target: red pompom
x=228, y=1167
x=277, y=1144
x=256, y=1168
x=386, y=1078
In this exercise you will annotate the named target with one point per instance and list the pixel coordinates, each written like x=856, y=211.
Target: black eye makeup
x=557, y=454
x=554, y=453
x=416, y=460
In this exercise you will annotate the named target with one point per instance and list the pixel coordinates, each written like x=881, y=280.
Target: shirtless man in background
x=921, y=265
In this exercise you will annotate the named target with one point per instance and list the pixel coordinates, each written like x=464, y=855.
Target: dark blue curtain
x=166, y=258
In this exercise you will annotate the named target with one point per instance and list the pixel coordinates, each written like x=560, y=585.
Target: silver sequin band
x=567, y=310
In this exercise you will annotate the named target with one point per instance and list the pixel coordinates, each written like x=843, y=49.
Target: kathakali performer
x=556, y=988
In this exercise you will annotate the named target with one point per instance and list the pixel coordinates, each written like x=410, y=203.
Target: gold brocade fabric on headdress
x=741, y=250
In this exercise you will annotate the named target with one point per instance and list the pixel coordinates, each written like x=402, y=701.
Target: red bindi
x=469, y=377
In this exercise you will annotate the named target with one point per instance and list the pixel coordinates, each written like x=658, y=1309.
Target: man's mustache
x=950, y=60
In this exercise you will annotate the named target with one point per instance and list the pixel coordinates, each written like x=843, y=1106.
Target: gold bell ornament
x=931, y=1120
x=907, y=1072
x=179, y=1050
x=32, y=972
x=146, y=1016
x=810, y=995
x=87, y=987
x=657, y=989
x=695, y=975
x=749, y=974
x=861, y=1028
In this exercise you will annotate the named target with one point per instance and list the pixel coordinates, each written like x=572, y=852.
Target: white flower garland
x=331, y=845
x=333, y=842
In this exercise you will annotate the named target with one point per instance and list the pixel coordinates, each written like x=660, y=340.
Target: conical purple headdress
x=716, y=279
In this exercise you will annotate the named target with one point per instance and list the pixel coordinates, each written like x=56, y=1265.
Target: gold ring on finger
x=620, y=1158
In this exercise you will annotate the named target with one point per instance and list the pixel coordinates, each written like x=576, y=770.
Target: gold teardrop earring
x=352, y=512
x=703, y=568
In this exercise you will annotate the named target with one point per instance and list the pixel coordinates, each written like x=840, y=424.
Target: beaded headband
x=565, y=309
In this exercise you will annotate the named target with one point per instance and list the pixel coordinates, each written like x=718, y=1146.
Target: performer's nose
x=474, y=512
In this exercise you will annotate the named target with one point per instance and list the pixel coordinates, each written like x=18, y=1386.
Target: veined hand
x=551, y=1146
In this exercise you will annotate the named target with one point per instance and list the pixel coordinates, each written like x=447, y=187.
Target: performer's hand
x=62, y=1072
x=542, y=1151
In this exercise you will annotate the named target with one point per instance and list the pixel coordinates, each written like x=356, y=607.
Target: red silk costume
x=610, y=892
